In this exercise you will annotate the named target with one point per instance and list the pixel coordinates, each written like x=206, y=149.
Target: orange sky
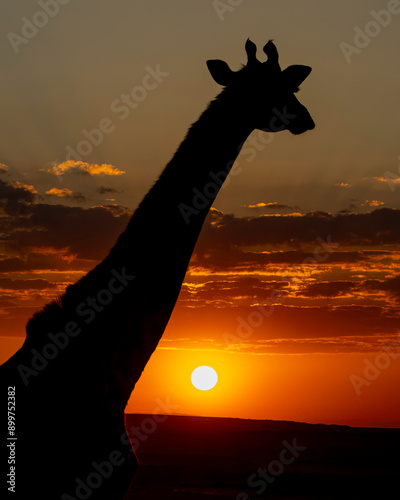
x=293, y=291
x=306, y=334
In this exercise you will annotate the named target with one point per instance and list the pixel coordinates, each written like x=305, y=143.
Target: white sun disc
x=204, y=378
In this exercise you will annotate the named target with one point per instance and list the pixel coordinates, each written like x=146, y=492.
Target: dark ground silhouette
x=195, y=458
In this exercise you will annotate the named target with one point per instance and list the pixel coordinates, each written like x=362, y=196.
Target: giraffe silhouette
x=84, y=352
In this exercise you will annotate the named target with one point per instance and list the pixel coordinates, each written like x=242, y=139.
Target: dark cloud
x=379, y=227
x=106, y=190
x=391, y=285
x=235, y=258
x=79, y=197
x=328, y=289
x=87, y=233
x=42, y=262
x=29, y=226
x=18, y=284
x=15, y=200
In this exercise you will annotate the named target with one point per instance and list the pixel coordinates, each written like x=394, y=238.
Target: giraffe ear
x=294, y=75
x=220, y=71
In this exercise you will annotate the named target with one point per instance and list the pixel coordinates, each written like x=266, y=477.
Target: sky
x=292, y=292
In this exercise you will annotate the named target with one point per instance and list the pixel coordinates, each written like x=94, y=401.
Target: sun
x=204, y=378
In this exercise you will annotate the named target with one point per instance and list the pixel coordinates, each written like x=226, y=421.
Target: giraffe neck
x=192, y=179
x=163, y=231
x=160, y=238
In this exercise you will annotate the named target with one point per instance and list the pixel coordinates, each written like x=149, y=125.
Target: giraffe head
x=265, y=93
